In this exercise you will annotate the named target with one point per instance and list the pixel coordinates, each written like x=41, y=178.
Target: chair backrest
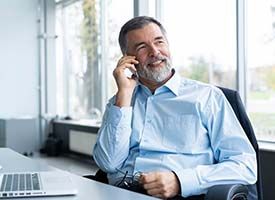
x=236, y=103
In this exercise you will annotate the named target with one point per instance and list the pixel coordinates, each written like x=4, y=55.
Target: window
x=87, y=52
x=77, y=59
x=261, y=67
x=203, y=43
x=202, y=36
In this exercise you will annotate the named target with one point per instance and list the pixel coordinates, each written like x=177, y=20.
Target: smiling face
x=151, y=49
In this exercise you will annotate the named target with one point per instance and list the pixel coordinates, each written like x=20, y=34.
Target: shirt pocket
x=180, y=132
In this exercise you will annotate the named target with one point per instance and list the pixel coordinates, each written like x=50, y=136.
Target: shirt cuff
x=189, y=182
x=119, y=116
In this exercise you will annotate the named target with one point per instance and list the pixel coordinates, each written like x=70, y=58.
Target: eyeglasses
x=128, y=180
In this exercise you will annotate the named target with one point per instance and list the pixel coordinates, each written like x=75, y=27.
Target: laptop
x=33, y=184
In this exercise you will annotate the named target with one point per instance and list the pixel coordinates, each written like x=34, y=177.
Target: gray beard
x=156, y=75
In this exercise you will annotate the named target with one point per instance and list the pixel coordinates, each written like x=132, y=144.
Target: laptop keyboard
x=20, y=182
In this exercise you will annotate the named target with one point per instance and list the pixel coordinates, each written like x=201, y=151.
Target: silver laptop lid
x=28, y=184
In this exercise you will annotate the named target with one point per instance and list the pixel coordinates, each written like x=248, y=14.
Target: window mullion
x=241, y=49
x=141, y=7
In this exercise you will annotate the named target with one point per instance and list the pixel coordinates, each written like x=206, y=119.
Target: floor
x=73, y=163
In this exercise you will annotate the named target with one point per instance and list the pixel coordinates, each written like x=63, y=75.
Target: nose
x=154, y=51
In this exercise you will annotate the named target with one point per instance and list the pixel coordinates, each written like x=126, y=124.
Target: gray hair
x=133, y=24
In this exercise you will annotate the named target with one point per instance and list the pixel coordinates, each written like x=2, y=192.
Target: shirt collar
x=173, y=84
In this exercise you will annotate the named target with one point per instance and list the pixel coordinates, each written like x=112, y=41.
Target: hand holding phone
x=125, y=72
x=126, y=80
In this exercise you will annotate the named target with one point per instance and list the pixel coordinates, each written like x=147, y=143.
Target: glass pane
x=81, y=27
x=202, y=36
x=77, y=27
x=117, y=13
x=261, y=67
x=60, y=83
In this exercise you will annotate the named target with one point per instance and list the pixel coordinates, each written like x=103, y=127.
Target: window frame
x=155, y=9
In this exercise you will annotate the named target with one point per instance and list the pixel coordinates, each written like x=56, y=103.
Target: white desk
x=12, y=161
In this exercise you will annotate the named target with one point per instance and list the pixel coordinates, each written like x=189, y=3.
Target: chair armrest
x=227, y=192
x=100, y=176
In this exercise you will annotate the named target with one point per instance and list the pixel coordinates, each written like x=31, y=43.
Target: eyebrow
x=141, y=43
x=159, y=38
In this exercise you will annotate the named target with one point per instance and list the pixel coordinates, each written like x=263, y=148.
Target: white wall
x=18, y=58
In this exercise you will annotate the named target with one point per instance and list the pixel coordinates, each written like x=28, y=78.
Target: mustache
x=155, y=59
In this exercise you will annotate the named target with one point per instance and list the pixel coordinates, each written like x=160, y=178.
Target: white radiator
x=82, y=142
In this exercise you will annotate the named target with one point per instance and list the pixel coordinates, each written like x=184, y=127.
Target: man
x=178, y=135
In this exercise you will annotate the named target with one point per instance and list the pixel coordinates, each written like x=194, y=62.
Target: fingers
x=157, y=190
x=151, y=181
x=127, y=59
x=148, y=177
x=127, y=62
x=160, y=184
x=152, y=184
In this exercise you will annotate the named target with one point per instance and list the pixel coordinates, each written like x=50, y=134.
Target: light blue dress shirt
x=187, y=127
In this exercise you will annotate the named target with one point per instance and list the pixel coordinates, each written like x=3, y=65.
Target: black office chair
x=227, y=191
x=230, y=191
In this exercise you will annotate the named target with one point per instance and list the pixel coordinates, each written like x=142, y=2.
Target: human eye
x=140, y=47
x=160, y=42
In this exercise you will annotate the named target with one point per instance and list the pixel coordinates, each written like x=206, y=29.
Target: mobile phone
x=129, y=74
x=136, y=74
